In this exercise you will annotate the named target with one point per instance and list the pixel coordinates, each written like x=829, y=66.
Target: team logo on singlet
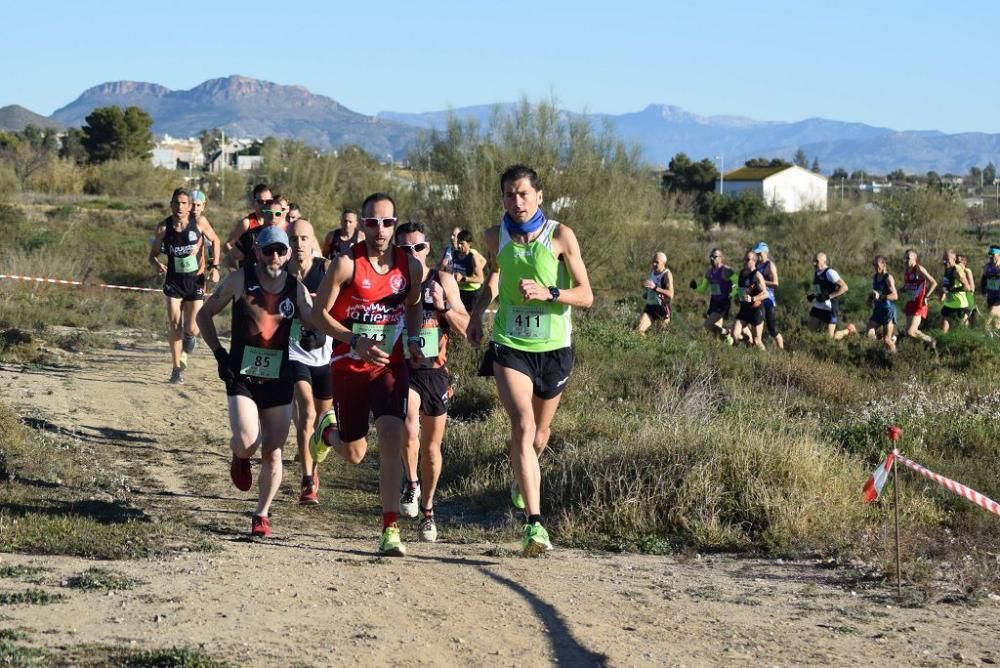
x=192, y=235
x=286, y=308
x=366, y=284
x=397, y=283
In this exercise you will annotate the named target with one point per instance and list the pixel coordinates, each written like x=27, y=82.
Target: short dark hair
x=518, y=172
x=178, y=193
x=292, y=205
x=465, y=235
x=373, y=199
x=409, y=227
x=259, y=188
x=347, y=211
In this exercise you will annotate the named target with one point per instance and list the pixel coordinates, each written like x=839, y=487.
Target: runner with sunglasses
x=537, y=271
x=718, y=283
x=240, y=244
x=363, y=302
x=430, y=383
x=182, y=237
x=266, y=301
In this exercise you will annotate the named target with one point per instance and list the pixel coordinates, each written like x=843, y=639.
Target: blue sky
x=922, y=65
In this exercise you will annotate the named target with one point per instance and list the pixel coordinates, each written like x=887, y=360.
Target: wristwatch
x=554, y=292
x=447, y=307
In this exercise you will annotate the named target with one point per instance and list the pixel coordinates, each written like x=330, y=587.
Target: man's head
x=716, y=257
x=520, y=192
x=412, y=238
x=272, y=213
x=261, y=195
x=994, y=254
x=911, y=257
x=301, y=237
x=659, y=261
x=819, y=261
x=378, y=213
x=750, y=259
x=948, y=258
x=294, y=213
x=881, y=264
x=962, y=259
x=180, y=203
x=349, y=221
x=761, y=250
x=198, y=201
x=272, y=250
x=282, y=201
x=464, y=242
x=454, y=236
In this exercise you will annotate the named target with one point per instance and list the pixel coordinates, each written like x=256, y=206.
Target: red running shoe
x=308, y=496
x=260, y=526
x=239, y=472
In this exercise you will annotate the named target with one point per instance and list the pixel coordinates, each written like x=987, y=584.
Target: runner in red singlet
x=918, y=284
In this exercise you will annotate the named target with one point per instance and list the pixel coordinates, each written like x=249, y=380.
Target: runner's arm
x=224, y=293
x=491, y=287
x=233, y=254
x=841, y=289
x=668, y=290
x=773, y=281
x=580, y=294
x=891, y=295
x=304, y=303
x=456, y=316
x=154, y=249
x=414, y=310
x=966, y=281
x=478, y=269
x=327, y=249
x=931, y=282
x=326, y=296
x=761, y=289
x=209, y=232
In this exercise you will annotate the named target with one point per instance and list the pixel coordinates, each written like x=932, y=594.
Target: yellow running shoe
x=317, y=446
x=535, y=541
x=391, y=544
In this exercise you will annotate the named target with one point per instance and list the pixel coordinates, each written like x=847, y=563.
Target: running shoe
x=190, y=343
x=260, y=526
x=535, y=541
x=515, y=496
x=308, y=495
x=317, y=446
x=184, y=360
x=428, y=530
x=177, y=376
x=409, y=501
x=239, y=472
x=391, y=544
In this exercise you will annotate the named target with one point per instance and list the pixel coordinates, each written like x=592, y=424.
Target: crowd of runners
x=336, y=335
x=752, y=290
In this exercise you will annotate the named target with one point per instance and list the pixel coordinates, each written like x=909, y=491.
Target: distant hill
x=252, y=108
x=248, y=108
x=15, y=117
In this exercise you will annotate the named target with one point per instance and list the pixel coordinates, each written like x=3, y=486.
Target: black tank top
x=432, y=318
x=262, y=322
x=183, y=249
x=315, y=275
x=343, y=246
x=748, y=284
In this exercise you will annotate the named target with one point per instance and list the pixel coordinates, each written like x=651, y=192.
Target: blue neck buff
x=529, y=227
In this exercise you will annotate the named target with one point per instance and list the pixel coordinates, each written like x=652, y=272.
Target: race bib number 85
x=261, y=362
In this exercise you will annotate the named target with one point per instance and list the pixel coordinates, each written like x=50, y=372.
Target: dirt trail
x=315, y=594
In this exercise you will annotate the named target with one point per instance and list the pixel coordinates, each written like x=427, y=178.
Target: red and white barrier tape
x=59, y=281
x=984, y=502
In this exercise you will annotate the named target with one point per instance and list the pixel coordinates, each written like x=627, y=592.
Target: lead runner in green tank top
x=535, y=267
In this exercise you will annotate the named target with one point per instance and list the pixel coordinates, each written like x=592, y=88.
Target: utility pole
x=722, y=172
x=222, y=170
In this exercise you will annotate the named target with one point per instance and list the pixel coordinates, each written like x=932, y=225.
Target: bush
x=131, y=178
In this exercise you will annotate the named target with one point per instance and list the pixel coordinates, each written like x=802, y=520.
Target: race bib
x=528, y=322
x=716, y=289
x=652, y=297
x=261, y=362
x=384, y=335
x=993, y=284
x=186, y=264
x=296, y=332
x=430, y=344
x=911, y=295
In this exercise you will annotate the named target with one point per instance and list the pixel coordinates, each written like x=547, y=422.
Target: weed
x=30, y=597
x=20, y=570
x=100, y=579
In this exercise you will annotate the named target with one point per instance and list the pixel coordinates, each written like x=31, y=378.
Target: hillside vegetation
x=668, y=442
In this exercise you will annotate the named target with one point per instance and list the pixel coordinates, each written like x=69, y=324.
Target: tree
x=28, y=151
x=975, y=176
x=801, y=159
x=858, y=175
x=767, y=162
x=815, y=166
x=989, y=173
x=897, y=176
x=686, y=176
x=113, y=134
x=922, y=215
x=72, y=146
x=839, y=174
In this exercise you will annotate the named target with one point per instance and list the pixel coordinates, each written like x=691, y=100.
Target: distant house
x=246, y=163
x=874, y=187
x=172, y=153
x=789, y=189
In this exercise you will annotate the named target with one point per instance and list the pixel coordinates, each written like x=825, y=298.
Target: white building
x=172, y=153
x=789, y=189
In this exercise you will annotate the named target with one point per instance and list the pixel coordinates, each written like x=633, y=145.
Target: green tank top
x=534, y=326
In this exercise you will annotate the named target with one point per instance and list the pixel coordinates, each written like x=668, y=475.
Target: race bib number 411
x=528, y=322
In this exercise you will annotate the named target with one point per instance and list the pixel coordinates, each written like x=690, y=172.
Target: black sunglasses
x=274, y=249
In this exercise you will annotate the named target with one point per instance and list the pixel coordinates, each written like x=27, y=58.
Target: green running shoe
x=391, y=544
x=515, y=496
x=317, y=446
x=536, y=540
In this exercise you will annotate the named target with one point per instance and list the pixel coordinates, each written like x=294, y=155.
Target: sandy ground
x=315, y=593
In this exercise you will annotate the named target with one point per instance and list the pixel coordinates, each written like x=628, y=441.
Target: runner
x=240, y=244
x=198, y=204
x=769, y=271
x=963, y=262
x=917, y=284
x=718, y=283
x=361, y=303
x=430, y=385
x=659, y=291
x=294, y=213
x=956, y=289
x=827, y=289
x=342, y=240
x=536, y=269
x=990, y=284
x=468, y=266
x=266, y=300
x=752, y=292
x=308, y=357
x=181, y=237
x=882, y=322
x=449, y=250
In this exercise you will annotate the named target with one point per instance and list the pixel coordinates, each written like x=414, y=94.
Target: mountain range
x=243, y=106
